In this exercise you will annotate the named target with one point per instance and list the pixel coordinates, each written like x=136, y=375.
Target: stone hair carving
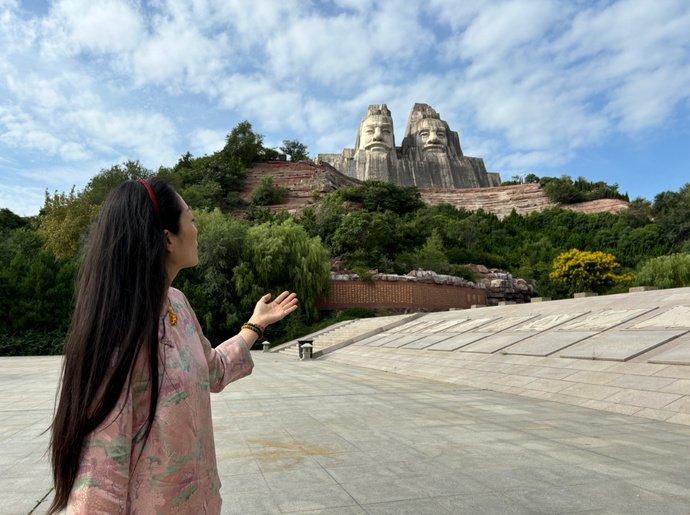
x=429, y=157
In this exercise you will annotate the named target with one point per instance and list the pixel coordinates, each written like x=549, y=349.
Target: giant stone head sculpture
x=427, y=133
x=376, y=130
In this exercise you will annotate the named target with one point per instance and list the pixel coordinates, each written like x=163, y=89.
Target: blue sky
x=598, y=89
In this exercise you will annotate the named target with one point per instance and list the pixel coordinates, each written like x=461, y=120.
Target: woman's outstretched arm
x=231, y=360
x=228, y=362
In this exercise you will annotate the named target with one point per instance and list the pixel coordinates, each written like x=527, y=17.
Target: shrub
x=671, y=271
x=432, y=255
x=32, y=343
x=564, y=190
x=35, y=288
x=364, y=273
x=463, y=271
x=205, y=195
x=267, y=193
x=384, y=196
x=587, y=271
x=9, y=220
x=295, y=150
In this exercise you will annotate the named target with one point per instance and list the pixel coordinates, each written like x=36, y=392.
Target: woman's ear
x=168, y=240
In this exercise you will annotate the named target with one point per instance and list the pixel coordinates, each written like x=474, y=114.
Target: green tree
x=432, y=255
x=324, y=219
x=210, y=285
x=671, y=271
x=267, y=193
x=370, y=239
x=204, y=195
x=107, y=179
x=243, y=144
x=561, y=191
x=384, y=196
x=64, y=221
x=9, y=220
x=35, y=288
x=564, y=190
x=295, y=150
x=282, y=257
x=671, y=211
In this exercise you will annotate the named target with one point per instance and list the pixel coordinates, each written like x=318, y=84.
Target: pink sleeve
x=102, y=482
x=228, y=362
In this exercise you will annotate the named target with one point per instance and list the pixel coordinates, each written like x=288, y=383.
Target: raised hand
x=266, y=313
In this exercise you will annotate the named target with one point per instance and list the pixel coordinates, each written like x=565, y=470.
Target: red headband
x=151, y=194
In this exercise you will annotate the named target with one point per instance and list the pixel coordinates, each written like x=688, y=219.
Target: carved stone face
x=376, y=134
x=431, y=135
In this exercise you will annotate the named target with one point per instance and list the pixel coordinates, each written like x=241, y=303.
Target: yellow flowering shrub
x=580, y=270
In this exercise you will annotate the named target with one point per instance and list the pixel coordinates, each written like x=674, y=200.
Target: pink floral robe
x=177, y=471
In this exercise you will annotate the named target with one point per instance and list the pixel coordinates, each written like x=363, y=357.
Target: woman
x=118, y=443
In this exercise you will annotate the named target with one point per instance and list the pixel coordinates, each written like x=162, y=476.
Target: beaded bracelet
x=253, y=327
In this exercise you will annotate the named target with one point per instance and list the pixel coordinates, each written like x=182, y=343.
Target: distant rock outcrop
x=502, y=286
x=305, y=182
x=523, y=198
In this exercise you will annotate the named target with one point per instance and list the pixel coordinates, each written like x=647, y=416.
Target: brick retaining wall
x=400, y=295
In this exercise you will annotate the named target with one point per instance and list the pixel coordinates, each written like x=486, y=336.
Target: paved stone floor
x=334, y=438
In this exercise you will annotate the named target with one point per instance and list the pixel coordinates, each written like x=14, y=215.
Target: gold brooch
x=172, y=316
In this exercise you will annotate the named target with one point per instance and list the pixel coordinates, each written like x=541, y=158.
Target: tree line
x=372, y=226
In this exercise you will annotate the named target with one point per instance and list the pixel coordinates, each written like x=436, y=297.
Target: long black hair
x=120, y=293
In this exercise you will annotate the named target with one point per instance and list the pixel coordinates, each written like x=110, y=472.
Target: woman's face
x=182, y=247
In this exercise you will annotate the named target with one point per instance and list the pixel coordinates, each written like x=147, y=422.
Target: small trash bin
x=306, y=351
x=300, y=344
x=266, y=345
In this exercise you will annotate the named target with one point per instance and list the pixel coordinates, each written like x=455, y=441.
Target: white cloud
x=206, y=141
x=178, y=55
x=550, y=81
x=349, y=48
x=500, y=29
x=150, y=135
x=526, y=84
x=73, y=152
x=19, y=130
x=107, y=26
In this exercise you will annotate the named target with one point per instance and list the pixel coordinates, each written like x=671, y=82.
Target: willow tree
x=280, y=257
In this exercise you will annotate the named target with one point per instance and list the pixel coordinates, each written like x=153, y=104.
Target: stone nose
x=433, y=137
x=377, y=134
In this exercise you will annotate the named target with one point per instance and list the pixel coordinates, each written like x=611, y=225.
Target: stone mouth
x=434, y=147
x=377, y=147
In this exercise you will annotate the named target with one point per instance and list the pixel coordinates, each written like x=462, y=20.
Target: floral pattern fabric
x=176, y=472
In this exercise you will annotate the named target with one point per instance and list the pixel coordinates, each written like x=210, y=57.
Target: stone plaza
x=396, y=435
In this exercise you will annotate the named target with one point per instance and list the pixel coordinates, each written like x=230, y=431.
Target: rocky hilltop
x=524, y=198
x=306, y=182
